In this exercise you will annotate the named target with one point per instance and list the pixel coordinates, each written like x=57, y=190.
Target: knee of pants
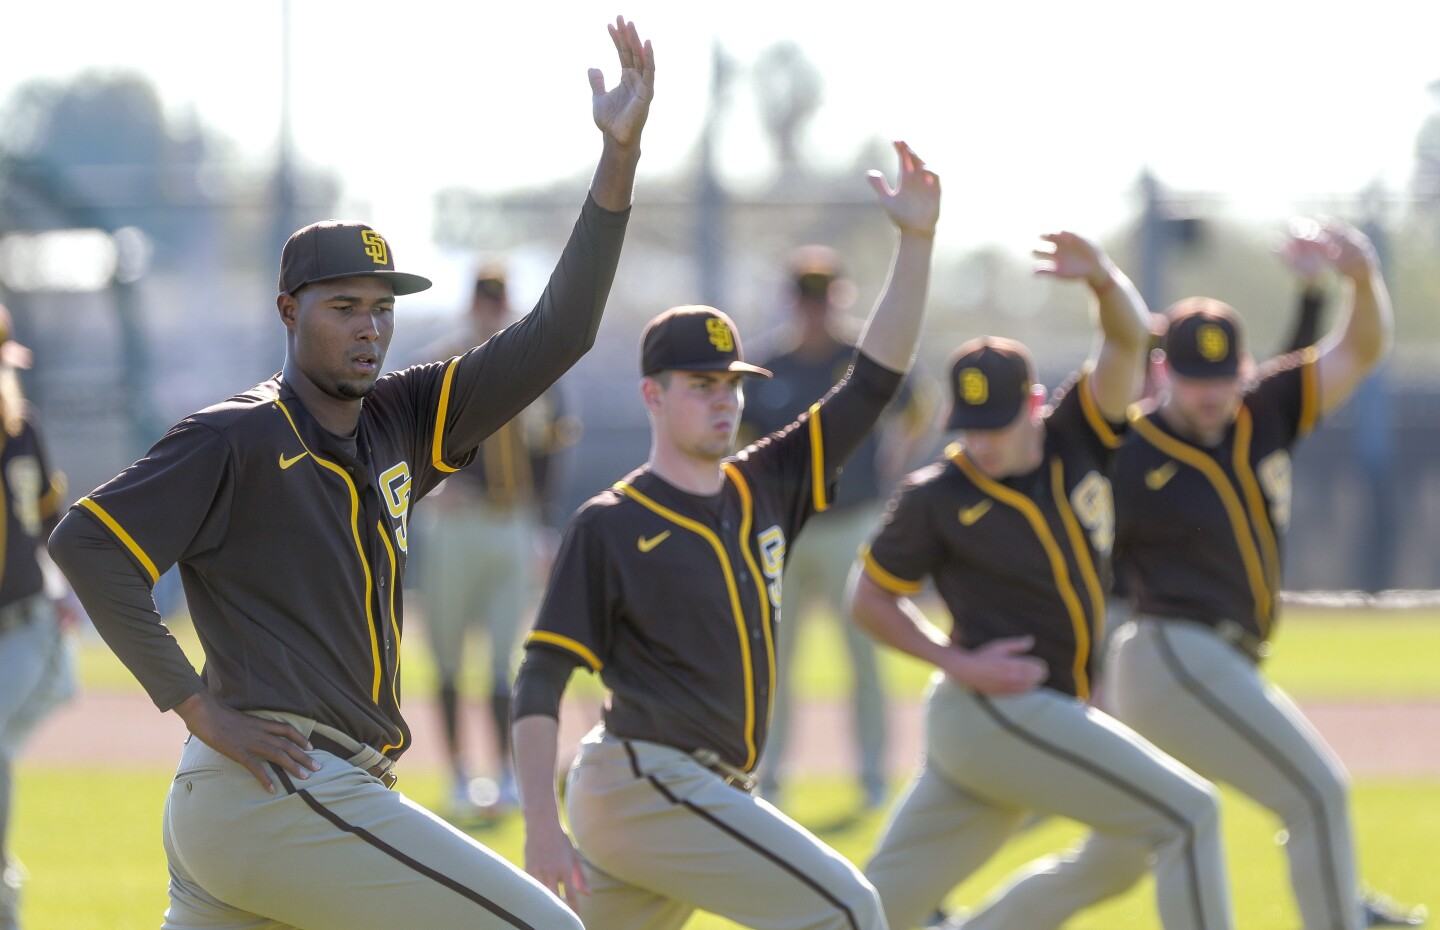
x=1199, y=809
x=1321, y=793
x=862, y=902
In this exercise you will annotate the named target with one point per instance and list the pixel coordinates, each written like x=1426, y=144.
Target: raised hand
x=1305, y=251
x=1351, y=251
x=914, y=204
x=1071, y=256
x=620, y=112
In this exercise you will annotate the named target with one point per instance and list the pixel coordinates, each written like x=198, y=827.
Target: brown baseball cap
x=990, y=379
x=1203, y=338
x=336, y=249
x=693, y=338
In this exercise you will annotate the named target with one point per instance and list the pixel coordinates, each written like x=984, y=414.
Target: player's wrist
x=1103, y=280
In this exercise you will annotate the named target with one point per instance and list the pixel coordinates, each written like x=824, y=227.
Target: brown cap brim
x=402, y=283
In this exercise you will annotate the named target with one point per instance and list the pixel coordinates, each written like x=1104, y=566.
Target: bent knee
x=860, y=907
x=1320, y=794
x=1194, y=812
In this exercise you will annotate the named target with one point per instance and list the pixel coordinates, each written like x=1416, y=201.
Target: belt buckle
x=388, y=777
x=1237, y=636
x=732, y=776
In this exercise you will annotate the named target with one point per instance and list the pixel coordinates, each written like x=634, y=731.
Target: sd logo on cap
x=990, y=379
x=1203, y=338
x=693, y=338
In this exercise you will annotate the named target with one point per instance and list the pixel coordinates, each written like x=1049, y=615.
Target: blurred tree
x=1425, y=183
x=790, y=91
x=101, y=151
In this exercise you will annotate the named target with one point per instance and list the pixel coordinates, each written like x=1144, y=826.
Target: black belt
x=734, y=776
x=1239, y=637
x=1228, y=630
x=385, y=771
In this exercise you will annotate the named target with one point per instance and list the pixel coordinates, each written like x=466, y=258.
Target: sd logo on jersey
x=395, y=484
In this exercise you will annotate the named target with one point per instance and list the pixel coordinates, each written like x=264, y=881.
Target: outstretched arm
x=1118, y=366
x=1305, y=254
x=893, y=328
x=1365, y=328
x=620, y=113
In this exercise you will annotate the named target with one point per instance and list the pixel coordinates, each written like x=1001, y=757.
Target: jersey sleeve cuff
x=577, y=649
x=890, y=582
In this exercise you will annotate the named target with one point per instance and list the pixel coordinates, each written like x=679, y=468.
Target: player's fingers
x=257, y=768
x=286, y=731
x=597, y=81
x=877, y=183
x=298, y=760
x=1013, y=644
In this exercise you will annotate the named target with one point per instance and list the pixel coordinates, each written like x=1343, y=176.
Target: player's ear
x=650, y=390
x=288, y=307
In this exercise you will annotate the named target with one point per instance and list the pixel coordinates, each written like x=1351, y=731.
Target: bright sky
x=1037, y=115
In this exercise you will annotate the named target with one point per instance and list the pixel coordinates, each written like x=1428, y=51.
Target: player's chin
x=355, y=388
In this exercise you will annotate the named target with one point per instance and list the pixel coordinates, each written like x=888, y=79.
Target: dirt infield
x=1392, y=739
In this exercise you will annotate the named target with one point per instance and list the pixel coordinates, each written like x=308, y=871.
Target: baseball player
x=287, y=508
x=478, y=539
x=1013, y=525
x=1202, y=487
x=36, y=669
x=668, y=585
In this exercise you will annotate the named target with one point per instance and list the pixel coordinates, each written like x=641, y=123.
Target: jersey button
x=744, y=576
x=725, y=525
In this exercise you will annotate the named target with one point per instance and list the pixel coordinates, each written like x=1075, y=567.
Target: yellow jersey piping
x=437, y=446
x=1259, y=514
x=359, y=548
x=817, y=460
x=1047, y=541
x=568, y=644
x=1229, y=499
x=747, y=514
x=705, y=533
x=891, y=583
x=1093, y=416
x=125, y=538
x=1082, y=558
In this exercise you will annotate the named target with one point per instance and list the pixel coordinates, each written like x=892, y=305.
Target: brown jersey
x=673, y=598
x=30, y=494
x=1199, y=529
x=1016, y=556
x=292, y=541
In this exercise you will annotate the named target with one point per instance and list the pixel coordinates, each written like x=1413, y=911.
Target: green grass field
x=91, y=837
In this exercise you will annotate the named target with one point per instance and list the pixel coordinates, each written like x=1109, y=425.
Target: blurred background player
x=1203, y=490
x=810, y=352
x=37, y=609
x=480, y=536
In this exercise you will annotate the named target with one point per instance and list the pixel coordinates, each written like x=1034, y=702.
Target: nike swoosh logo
x=645, y=545
x=1157, y=478
x=286, y=463
x=969, y=515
